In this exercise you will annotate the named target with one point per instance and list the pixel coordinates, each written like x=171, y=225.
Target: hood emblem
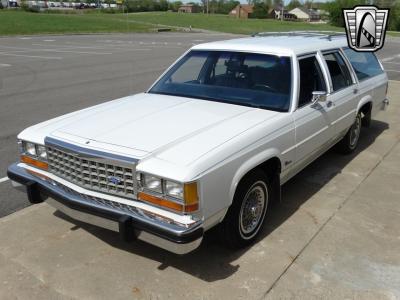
x=115, y=180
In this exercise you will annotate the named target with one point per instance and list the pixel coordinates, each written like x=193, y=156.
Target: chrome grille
x=98, y=174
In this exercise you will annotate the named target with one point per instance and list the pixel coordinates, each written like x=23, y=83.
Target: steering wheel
x=261, y=86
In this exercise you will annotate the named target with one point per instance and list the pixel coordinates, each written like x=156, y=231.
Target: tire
x=350, y=141
x=245, y=217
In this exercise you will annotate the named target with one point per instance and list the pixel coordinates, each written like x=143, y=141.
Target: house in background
x=305, y=14
x=276, y=13
x=189, y=8
x=10, y=3
x=242, y=11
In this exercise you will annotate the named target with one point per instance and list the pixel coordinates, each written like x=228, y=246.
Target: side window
x=340, y=74
x=311, y=79
x=365, y=64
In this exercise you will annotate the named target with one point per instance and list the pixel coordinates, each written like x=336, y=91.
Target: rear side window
x=340, y=74
x=311, y=79
x=365, y=64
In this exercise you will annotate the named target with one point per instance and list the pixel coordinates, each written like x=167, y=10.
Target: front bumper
x=132, y=223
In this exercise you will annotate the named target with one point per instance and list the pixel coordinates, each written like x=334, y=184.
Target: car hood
x=146, y=124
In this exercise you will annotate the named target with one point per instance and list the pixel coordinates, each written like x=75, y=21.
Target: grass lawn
x=225, y=23
x=26, y=23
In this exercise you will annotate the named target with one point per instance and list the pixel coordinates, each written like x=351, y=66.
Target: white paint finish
x=216, y=144
x=178, y=118
x=4, y=179
x=280, y=45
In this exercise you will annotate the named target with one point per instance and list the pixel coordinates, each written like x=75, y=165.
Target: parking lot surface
x=335, y=234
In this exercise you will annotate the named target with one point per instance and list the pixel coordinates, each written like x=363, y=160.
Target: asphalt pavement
x=42, y=77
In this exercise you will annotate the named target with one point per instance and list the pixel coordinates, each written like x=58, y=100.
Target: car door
x=344, y=92
x=312, y=120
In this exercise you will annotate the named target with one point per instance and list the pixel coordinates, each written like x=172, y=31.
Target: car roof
x=282, y=44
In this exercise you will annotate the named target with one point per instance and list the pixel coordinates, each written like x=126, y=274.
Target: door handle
x=355, y=91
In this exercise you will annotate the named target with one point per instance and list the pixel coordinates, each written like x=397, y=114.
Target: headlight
x=33, y=154
x=174, y=189
x=176, y=196
x=41, y=152
x=152, y=183
x=30, y=148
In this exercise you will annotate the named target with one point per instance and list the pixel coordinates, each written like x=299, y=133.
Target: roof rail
x=307, y=33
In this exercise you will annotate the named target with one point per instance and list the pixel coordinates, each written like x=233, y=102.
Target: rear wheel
x=350, y=141
x=245, y=217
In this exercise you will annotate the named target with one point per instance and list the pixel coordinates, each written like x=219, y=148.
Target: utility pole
x=283, y=3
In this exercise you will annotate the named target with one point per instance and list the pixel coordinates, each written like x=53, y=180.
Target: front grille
x=94, y=174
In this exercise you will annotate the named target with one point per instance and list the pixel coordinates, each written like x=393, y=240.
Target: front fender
x=249, y=165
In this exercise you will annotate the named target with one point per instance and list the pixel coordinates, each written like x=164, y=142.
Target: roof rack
x=307, y=33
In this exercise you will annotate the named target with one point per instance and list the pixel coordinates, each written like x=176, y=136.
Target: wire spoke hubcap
x=252, y=210
x=355, y=132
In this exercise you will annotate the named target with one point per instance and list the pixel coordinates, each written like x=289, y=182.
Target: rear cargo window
x=365, y=64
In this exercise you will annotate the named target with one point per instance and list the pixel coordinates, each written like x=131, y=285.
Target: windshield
x=256, y=80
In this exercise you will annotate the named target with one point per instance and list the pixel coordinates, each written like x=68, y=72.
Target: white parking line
x=63, y=51
x=4, y=179
x=4, y=65
x=23, y=49
x=30, y=56
x=105, y=47
x=391, y=63
x=386, y=59
x=48, y=40
x=388, y=70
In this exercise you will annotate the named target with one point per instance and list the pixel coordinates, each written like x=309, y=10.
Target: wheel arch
x=269, y=161
x=365, y=102
x=365, y=107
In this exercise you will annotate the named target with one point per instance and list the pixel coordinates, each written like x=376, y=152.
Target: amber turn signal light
x=167, y=203
x=34, y=162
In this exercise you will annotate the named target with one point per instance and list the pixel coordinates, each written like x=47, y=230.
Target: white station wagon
x=210, y=143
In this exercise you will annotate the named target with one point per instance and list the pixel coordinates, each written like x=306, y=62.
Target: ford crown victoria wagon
x=210, y=143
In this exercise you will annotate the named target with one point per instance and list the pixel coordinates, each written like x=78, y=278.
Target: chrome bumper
x=131, y=224
x=385, y=104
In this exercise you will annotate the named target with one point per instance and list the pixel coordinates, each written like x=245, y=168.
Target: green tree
x=174, y=6
x=293, y=4
x=260, y=11
x=335, y=10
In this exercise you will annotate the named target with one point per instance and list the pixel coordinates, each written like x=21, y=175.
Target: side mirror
x=318, y=96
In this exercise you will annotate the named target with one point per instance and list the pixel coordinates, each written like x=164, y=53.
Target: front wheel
x=245, y=217
x=350, y=141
